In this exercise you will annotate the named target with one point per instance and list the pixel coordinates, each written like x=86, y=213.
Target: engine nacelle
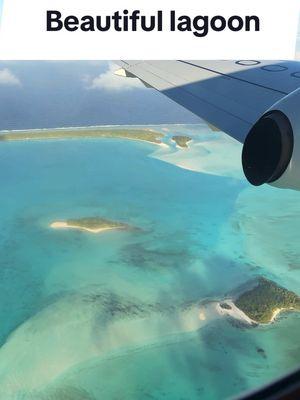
x=271, y=152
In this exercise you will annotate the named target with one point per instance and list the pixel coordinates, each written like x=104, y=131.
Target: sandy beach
x=65, y=225
x=234, y=312
x=213, y=310
x=161, y=144
x=184, y=148
x=278, y=311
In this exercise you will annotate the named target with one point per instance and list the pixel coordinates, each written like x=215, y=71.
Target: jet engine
x=271, y=152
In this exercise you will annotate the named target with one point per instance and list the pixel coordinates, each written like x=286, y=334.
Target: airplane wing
x=231, y=95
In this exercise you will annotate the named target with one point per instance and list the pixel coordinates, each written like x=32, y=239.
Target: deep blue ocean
x=199, y=236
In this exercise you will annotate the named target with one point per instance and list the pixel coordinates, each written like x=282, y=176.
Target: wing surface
x=231, y=95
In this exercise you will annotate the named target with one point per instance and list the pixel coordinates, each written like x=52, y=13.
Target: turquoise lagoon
x=86, y=316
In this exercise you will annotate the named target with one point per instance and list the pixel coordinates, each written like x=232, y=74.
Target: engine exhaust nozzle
x=268, y=148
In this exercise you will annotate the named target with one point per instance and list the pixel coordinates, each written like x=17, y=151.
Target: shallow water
x=87, y=316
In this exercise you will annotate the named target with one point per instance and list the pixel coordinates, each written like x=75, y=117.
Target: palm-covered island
x=90, y=224
x=181, y=140
x=263, y=302
x=81, y=133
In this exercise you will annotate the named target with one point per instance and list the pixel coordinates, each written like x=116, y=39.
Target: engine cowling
x=271, y=151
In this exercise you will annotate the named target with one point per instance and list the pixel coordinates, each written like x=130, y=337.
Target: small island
x=146, y=135
x=90, y=224
x=266, y=300
x=181, y=141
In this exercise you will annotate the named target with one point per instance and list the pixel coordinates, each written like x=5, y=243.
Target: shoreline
x=65, y=225
x=234, y=312
x=61, y=128
x=55, y=138
x=183, y=147
x=277, y=312
x=240, y=315
x=213, y=310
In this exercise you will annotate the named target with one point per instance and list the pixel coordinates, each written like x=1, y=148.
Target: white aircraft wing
x=231, y=95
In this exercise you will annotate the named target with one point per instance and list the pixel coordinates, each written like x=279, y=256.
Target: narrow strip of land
x=146, y=135
x=89, y=224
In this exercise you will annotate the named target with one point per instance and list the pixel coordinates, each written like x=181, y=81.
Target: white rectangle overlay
x=24, y=35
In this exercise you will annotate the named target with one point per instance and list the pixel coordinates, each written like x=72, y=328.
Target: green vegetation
x=225, y=306
x=181, y=141
x=95, y=223
x=135, y=134
x=263, y=300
